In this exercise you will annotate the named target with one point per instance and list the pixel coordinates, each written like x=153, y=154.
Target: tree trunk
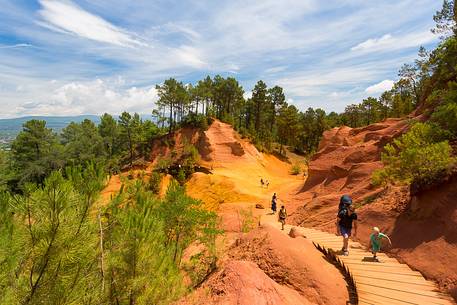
x=176, y=248
x=130, y=147
x=171, y=117
x=102, y=254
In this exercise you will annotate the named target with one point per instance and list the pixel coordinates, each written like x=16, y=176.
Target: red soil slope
x=264, y=266
x=268, y=267
x=423, y=227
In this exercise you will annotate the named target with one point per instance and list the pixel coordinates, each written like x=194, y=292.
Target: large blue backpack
x=345, y=202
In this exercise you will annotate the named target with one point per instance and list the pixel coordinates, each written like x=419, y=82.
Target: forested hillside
x=59, y=244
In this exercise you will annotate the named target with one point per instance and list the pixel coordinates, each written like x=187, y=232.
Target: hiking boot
x=346, y=253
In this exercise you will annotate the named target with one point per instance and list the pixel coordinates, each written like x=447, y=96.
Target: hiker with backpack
x=375, y=241
x=273, y=203
x=346, y=218
x=282, y=216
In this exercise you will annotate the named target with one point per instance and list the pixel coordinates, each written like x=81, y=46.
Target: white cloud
x=380, y=87
x=393, y=43
x=275, y=69
x=69, y=18
x=190, y=56
x=314, y=83
x=373, y=43
x=96, y=97
x=18, y=45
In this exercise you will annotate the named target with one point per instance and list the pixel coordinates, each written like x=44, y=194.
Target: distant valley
x=9, y=128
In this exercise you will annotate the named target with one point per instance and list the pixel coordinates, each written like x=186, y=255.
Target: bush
x=163, y=164
x=154, y=182
x=196, y=120
x=181, y=176
x=295, y=169
x=247, y=220
x=446, y=117
x=419, y=155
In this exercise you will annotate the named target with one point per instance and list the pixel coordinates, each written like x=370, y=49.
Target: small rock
x=259, y=206
x=295, y=233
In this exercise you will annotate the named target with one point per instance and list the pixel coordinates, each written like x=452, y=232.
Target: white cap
x=376, y=229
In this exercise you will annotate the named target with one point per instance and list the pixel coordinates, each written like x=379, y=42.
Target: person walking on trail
x=261, y=182
x=345, y=220
x=282, y=216
x=273, y=203
x=375, y=241
x=267, y=183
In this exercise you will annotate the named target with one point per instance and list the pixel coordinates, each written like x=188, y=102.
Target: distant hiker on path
x=273, y=203
x=282, y=216
x=261, y=182
x=267, y=183
x=375, y=241
x=346, y=216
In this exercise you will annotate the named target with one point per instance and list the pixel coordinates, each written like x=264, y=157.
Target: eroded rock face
x=293, y=262
x=419, y=224
x=344, y=164
x=268, y=267
x=243, y=283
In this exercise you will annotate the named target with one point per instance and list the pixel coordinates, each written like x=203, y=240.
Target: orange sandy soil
x=264, y=266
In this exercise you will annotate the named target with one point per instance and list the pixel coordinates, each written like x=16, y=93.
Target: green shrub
x=181, y=176
x=154, y=182
x=163, y=164
x=195, y=120
x=295, y=169
x=446, y=117
x=247, y=220
x=418, y=155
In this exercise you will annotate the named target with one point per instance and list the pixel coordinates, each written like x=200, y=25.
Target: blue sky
x=60, y=57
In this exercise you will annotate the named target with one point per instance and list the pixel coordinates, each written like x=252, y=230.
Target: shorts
x=346, y=232
x=375, y=247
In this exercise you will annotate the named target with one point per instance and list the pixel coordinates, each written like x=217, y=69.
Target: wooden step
x=389, y=276
x=384, y=270
x=374, y=299
x=408, y=297
x=386, y=282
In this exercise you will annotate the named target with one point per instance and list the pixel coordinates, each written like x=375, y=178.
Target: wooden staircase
x=385, y=282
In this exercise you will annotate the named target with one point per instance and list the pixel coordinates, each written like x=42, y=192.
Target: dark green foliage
x=139, y=263
x=446, y=117
x=186, y=221
x=57, y=247
x=446, y=19
x=51, y=244
x=196, y=120
x=36, y=152
x=82, y=143
x=420, y=155
x=6, y=172
x=154, y=182
x=109, y=131
x=129, y=127
x=314, y=124
x=173, y=97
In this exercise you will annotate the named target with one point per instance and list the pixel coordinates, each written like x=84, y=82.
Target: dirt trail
x=264, y=266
